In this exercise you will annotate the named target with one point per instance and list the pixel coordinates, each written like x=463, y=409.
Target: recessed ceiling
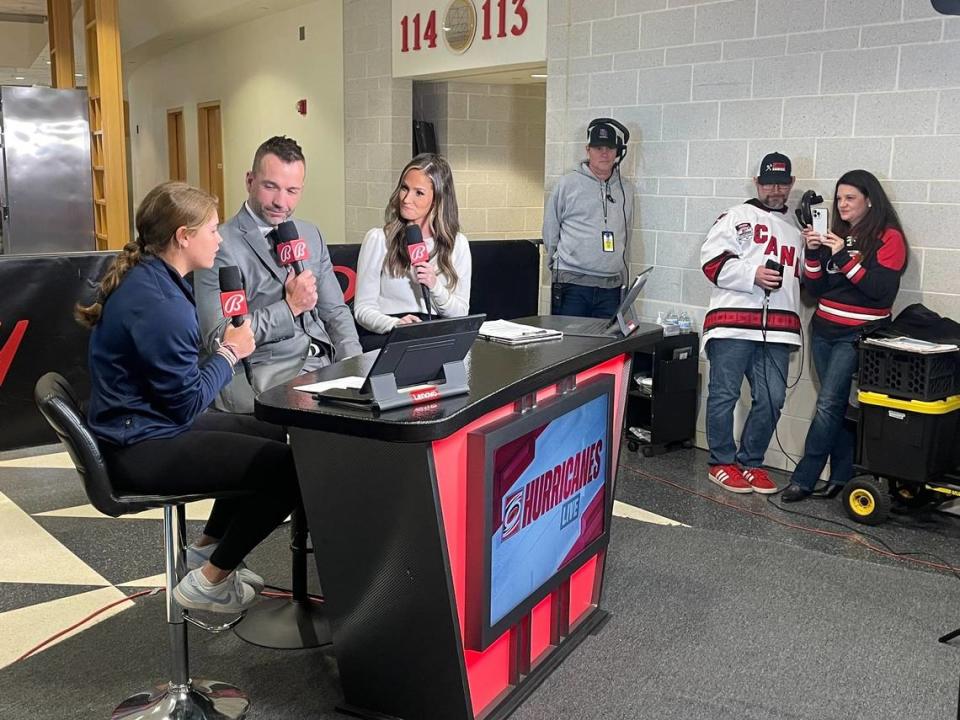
x=147, y=28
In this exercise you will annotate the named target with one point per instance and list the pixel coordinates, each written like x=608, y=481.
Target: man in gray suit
x=300, y=322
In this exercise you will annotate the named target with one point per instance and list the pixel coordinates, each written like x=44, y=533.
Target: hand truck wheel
x=866, y=500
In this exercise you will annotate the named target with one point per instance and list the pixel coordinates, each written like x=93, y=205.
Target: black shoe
x=794, y=493
x=831, y=491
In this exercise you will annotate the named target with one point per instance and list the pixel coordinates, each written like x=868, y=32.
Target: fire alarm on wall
x=302, y=107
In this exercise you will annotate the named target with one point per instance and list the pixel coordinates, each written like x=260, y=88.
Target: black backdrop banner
x=38, y=333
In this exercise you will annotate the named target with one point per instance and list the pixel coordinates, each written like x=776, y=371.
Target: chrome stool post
x=182, y=698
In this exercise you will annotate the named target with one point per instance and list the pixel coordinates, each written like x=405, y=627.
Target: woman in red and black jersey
x=854, y=272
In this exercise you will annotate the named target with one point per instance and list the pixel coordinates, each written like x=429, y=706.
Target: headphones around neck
x=623, y=135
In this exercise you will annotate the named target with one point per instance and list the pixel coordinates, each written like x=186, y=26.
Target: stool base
x=199, y=700
x=285, y=624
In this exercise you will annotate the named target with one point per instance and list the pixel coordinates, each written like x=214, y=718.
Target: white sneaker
x=197, y=556
x=231, y=595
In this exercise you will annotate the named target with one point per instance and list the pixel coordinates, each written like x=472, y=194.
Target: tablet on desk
x=413, y=356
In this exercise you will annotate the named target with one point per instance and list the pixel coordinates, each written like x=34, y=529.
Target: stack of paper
x=912, y=345
x=511, y=333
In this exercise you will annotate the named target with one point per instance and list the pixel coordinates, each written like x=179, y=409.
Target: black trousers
x=221, y=451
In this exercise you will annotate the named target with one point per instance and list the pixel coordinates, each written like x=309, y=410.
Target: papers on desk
x=912, y=345
x=351, y=381
x=511, y=333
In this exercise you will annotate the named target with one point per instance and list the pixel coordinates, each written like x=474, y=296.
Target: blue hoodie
x=146, y=380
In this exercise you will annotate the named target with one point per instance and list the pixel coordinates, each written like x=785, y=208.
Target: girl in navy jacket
x=150, y=388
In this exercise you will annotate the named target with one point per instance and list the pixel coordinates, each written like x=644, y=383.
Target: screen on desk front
x=546, y=489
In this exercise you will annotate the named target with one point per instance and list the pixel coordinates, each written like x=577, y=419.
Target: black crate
x=907, y=445
x=912, y=376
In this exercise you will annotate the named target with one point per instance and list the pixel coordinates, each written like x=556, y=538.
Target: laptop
x=414, y=354
x=624, y=321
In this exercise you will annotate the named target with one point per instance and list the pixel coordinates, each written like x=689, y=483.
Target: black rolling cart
x=908, y=432
x=662, y=400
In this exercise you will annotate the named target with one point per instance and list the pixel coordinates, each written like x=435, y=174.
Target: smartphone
x=819, y=220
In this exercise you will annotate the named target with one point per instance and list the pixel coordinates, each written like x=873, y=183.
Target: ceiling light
x=19, y=77
x=538, y=76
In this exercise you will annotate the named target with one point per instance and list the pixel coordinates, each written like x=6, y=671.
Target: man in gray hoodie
x=586, y=225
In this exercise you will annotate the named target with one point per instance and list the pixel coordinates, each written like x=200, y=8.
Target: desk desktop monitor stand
x=386, y=396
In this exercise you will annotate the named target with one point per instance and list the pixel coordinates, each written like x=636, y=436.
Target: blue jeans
x=765, y=367
x=836, y=360
x=583, y=301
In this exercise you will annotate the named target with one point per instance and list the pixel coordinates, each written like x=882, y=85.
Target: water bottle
x=684, y=322
x=670, y=324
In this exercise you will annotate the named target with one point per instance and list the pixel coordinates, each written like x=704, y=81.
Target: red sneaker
x=760, y=481
x=729, y=478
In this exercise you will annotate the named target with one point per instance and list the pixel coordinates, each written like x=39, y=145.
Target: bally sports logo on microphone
x=292, y=251
x=233, y=303
x=418, y=253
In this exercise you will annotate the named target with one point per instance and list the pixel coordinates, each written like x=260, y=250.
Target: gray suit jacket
x=283, y=342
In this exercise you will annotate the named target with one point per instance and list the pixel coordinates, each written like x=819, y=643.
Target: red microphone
x=291, y=248
x=418, y=253
x=233, y=298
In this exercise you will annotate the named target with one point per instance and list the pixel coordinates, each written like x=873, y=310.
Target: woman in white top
x=388, y=289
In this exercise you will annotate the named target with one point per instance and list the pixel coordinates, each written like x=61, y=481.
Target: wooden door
x=211, y=150
x=176, y=145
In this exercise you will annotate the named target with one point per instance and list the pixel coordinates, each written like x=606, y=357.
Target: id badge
x=606, y=238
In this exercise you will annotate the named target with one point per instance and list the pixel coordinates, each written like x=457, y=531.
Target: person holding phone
x=751, y=256
x=854, y=272
x=390, y=291
x=150, y=388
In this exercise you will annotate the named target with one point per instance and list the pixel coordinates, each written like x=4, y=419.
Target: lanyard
x=604, y=194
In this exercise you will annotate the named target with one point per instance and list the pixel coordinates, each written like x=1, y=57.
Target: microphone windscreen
x=413, y=234
x=230, y=278
x=233, y=298
x=416, y=247
x=287, y=231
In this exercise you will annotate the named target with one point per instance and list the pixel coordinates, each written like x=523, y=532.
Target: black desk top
x=497, y=374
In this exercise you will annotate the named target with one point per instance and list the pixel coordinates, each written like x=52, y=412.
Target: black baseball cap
x=602, y=135
x=775, y=169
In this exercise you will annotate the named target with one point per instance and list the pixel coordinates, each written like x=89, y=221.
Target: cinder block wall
x=493, y=137
x=708, y=87
x=377, y=116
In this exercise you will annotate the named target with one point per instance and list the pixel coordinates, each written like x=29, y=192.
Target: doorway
x=176, y=145
x=211, y=150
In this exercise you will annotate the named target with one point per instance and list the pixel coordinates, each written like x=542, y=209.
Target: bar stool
x=182, y=698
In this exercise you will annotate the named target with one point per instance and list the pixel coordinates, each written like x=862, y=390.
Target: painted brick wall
x=708, y=87
x=493, y=137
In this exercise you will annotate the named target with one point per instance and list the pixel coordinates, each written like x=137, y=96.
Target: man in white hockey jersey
x=752, y=255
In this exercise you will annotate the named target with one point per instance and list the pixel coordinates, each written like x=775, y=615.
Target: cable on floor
x=852, y=534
